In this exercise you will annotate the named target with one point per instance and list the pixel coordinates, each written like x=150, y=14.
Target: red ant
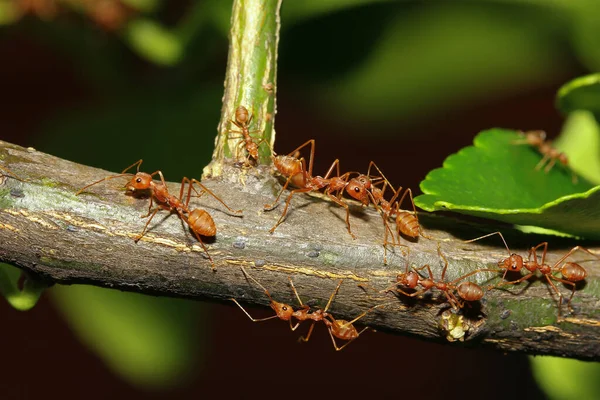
x=340, y=329
x=199, y=221
x=296, y=172
x=551, y=155
x=242, y=120
x=571, y=272
x=364, y=189
x=466, y=291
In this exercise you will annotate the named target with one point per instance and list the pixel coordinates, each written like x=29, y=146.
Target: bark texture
x=59, y=237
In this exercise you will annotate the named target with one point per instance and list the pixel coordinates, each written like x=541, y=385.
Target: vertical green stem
x=250, y=79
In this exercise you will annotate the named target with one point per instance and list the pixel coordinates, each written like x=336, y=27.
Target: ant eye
x=284, y=308
x=138, y=180
x=357, y=190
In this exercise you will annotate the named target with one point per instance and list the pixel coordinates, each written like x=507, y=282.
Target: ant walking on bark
x=199, y=221
x=297, y=173
x=337, y=328
x=571, y=272
x=456, y=294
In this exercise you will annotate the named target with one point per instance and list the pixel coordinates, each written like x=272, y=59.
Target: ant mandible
x=199, y=221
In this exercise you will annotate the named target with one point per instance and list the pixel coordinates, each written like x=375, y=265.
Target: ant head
x=409, y=279
x=512, y=263
x=358, y=191
x=140, y=181
x=283, y=311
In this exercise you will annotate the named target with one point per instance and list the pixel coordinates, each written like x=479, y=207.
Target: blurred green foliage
x=564, y=379
x=372, y=60
x=24, y=298
x=152, y=342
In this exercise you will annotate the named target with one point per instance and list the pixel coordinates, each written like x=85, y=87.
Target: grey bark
x=59, y=237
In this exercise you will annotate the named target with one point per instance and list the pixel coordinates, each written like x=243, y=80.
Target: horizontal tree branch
x=48, y=231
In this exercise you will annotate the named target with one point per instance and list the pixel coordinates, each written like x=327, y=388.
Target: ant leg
x=287, y=204
x=207, y=190
x=310, y=142
x=533, y=251
x=212, y=262
x=138, y=237
x=573, y=287
x=475, y=272
x=335, y=164
x=296, y=292
x=543, y=161
x=343, y=204
x=335, y=292
x=347, y=342
x=488, y=235
x=248, y=314
x=550, y=165
x=573, y=250
x=307, y=337
x=504, y=283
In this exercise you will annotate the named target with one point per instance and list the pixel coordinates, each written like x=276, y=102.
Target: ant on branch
x=551, y=155
x=337, y=328
x=242, y=120
x=296, y=172
x=571, y=272
x=364, y=188
x=465, y=291
x=199, y=221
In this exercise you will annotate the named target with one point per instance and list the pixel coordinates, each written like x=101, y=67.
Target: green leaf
x=563, y=379
x=496, y=178
x=580, y=94
x=152, y=342
x=580, y=139
x=21, y=299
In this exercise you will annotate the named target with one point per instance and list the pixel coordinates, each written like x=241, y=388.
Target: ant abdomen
x=573, y=272
x=202, y=223
x=469, y=291
x=407, y=224
x=241, y=115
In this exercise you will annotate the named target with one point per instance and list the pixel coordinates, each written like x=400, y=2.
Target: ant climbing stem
x=242, y=120
x=199, y=221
